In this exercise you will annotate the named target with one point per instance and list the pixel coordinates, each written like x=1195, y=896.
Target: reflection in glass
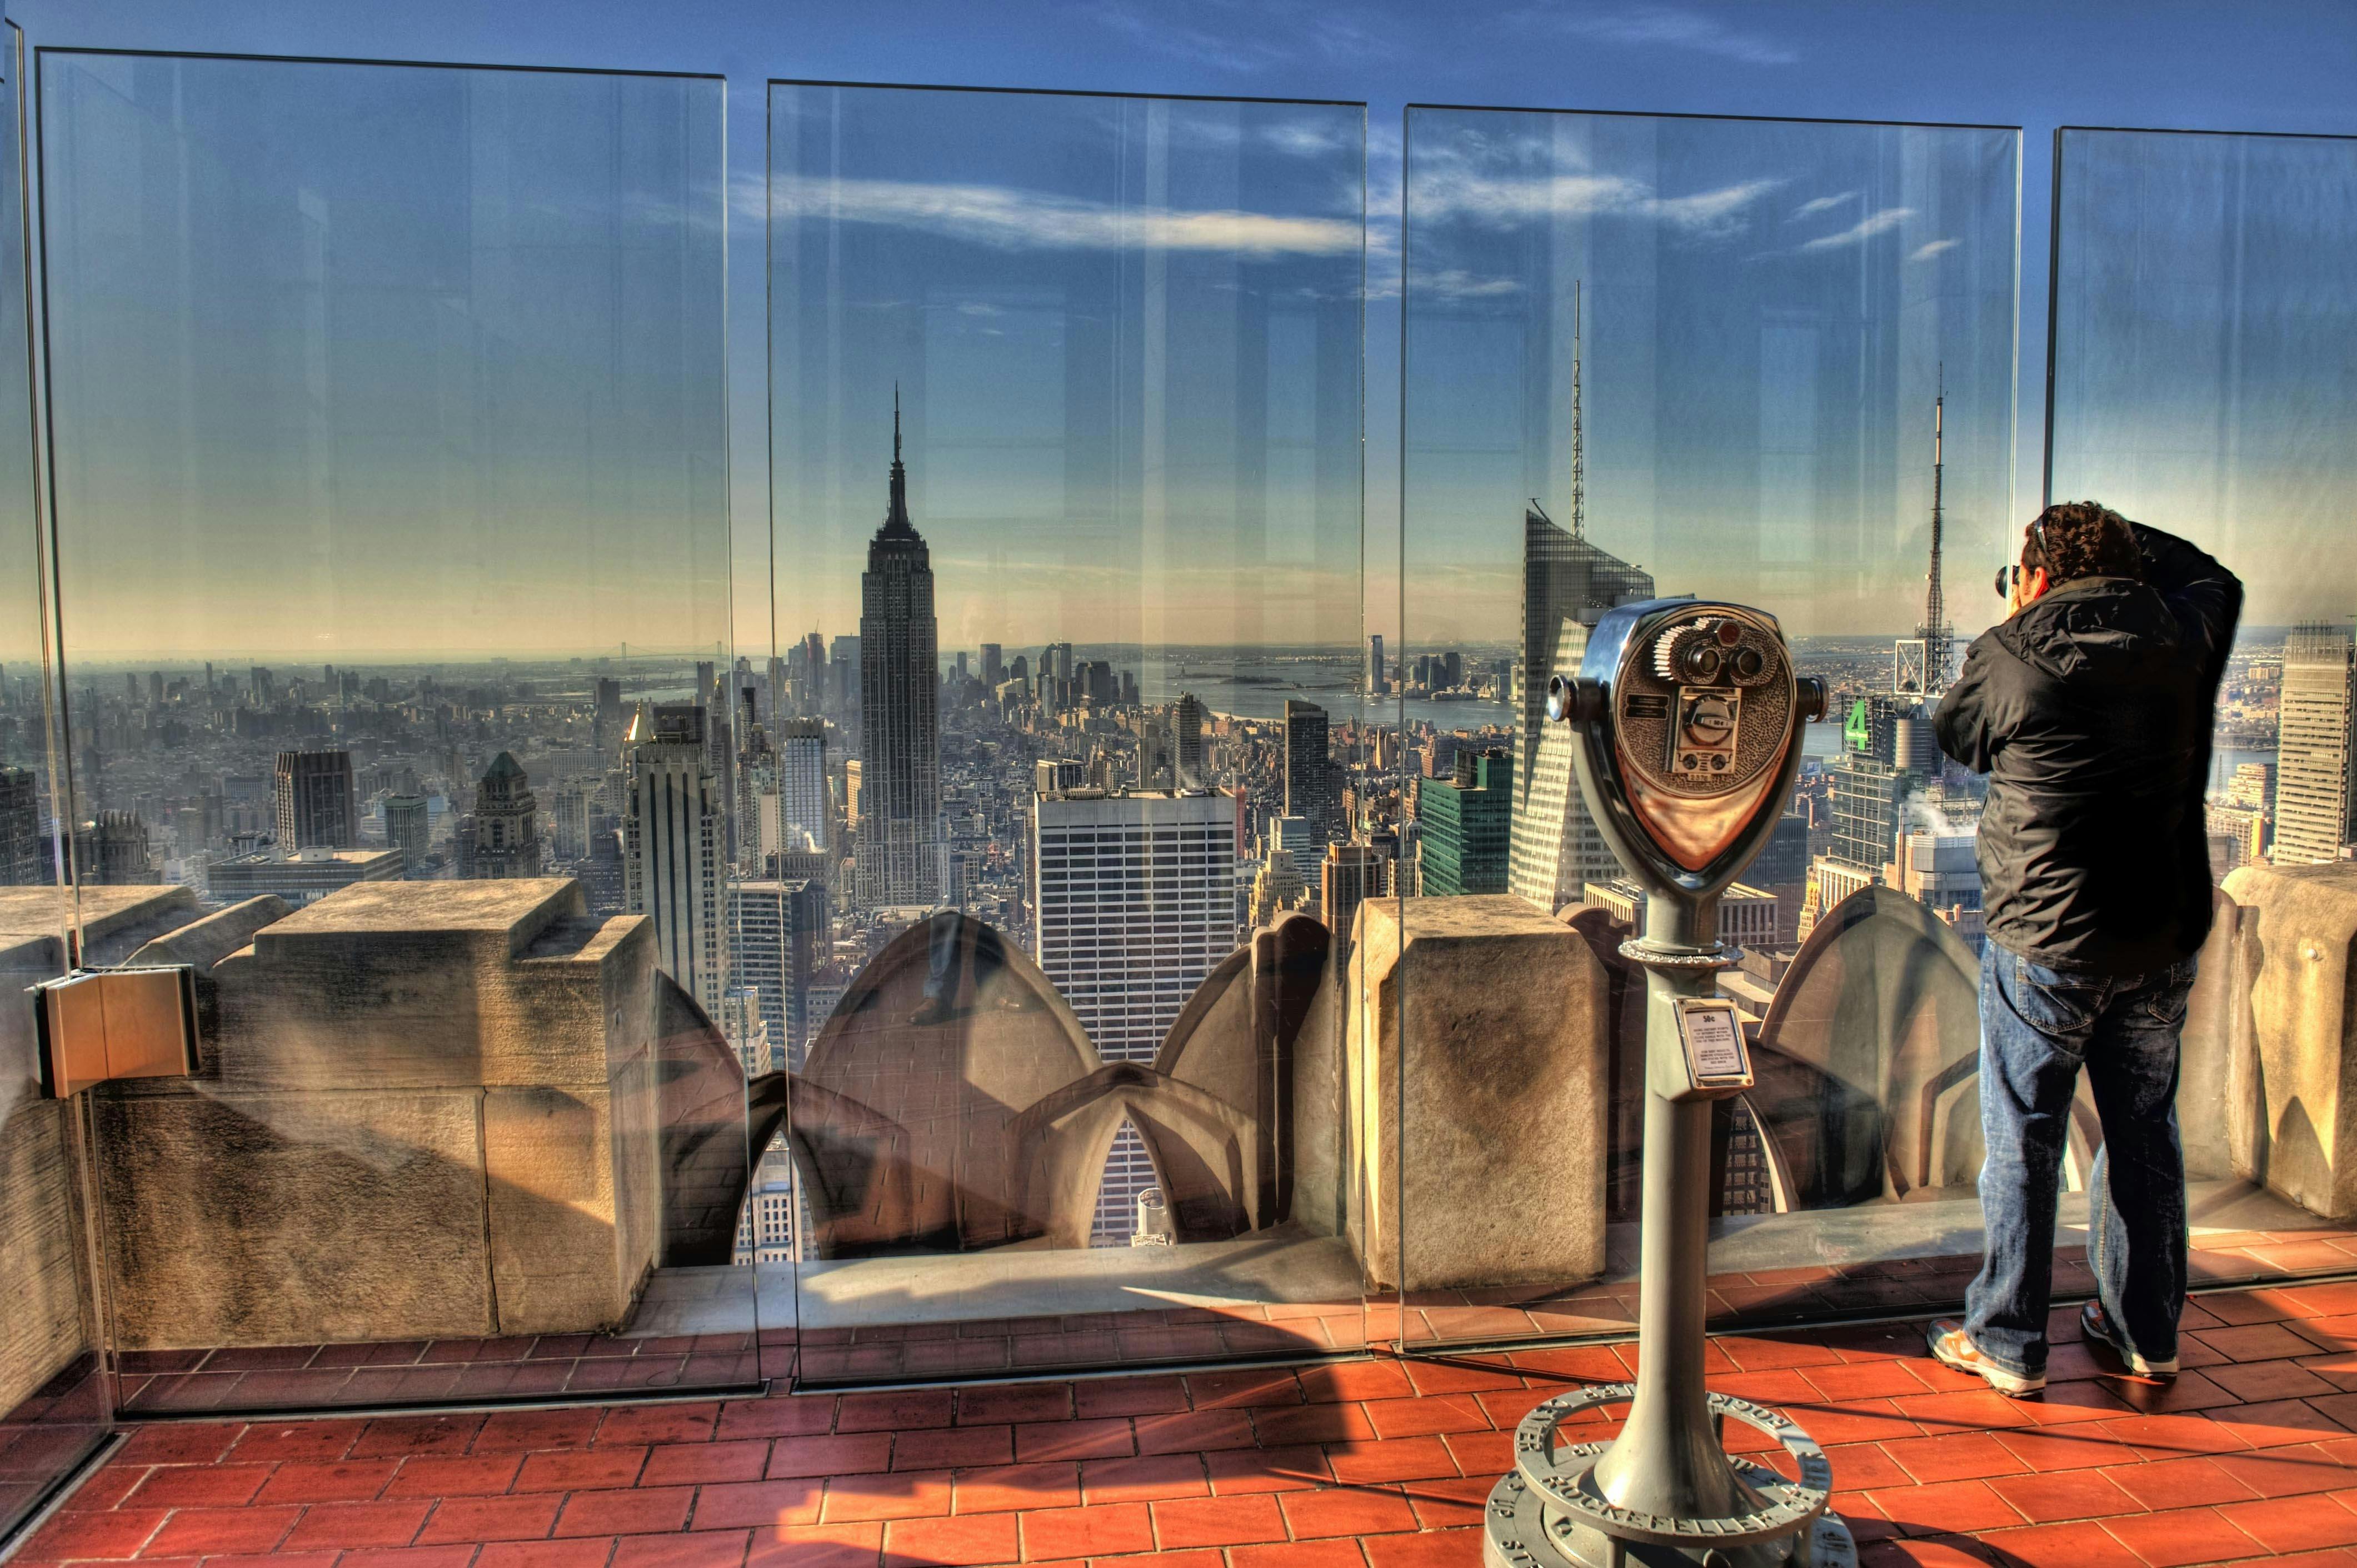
x=55, y=1404
x=1769, y=361
x=393, y=568
x=2203, y=337
x=1065, y=430
x=2203, y=331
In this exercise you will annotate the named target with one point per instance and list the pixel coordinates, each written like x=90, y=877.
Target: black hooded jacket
x=2091, y=713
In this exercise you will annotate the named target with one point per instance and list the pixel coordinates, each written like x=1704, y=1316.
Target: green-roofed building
x=1466, y=825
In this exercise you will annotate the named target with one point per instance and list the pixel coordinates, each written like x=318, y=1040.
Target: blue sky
x=2261, y=67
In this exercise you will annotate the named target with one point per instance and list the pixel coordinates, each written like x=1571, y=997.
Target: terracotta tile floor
x=1375, y=1463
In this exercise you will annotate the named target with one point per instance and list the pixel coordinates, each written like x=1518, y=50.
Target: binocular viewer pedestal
x=1688, y=717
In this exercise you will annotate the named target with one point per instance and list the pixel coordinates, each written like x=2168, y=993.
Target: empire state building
x=902, y=853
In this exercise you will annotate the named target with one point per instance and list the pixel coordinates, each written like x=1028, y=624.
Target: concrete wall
x=1500, y=1138
x=2295, y=1089
x=426, y=1110
x=51, y=1318
x=48, y=1321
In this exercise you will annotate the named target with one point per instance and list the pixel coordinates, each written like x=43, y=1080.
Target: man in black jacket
x=2090, y=707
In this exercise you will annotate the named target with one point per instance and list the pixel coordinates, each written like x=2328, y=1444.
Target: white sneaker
x=1951, y=1346
x=2096, y=1324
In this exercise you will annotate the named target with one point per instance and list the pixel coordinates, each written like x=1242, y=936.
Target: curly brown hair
x=2081, y=538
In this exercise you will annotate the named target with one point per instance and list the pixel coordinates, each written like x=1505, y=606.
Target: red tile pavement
x=1376, y=1464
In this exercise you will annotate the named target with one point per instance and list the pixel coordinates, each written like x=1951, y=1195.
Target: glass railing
x=56, y=1401
x=1065, y=428
x=1087, y=925
x=2202, y=333
x=1774, y=362
x=393, y=563
x=1767, y=361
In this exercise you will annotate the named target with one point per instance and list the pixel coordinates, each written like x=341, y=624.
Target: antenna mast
x=1935, y=610
x=1578, y=435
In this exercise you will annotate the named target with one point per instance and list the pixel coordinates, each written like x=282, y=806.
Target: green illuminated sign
x=1857, y=733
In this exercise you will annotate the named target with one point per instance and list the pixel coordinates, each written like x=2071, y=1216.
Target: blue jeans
x=2038, y=1027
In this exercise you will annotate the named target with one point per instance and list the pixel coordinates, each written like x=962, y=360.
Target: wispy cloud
x=1243, y=37
x=1008, y=218
x=1668, y=27
x=1926, y=251
x=1243, y=51
x=1516, y=198
x=1865, y=228
x=1455, y=283
x=1817, y=204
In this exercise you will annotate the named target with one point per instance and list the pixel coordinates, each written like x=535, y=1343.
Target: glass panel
x=54, y=1401
x=1065, y=426
x=1653, y=356
x=2203, y=332
x=393, y=553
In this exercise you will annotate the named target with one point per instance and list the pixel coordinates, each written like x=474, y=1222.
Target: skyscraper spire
x=896, y=514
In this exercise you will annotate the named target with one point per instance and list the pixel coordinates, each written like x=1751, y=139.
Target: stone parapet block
x=2298, y=935
x=295, y=1217
x=425, y=1109
x=1493, y=1145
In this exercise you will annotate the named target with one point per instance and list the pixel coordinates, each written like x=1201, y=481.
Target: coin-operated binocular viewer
x=1689, y=718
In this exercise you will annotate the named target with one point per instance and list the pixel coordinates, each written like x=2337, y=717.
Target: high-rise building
x=674, y=848
x=316, y=806
x=994, y=666
x=1186, y=737
x=1349, y=875
x=814, y=697
x=113, y=851
x=1466, y=824
x=1136, y=904
x=1313, y=785
x=902, y=857
x=1554, y=849
x=1136, y=896
x=2253, y=786
x=2315, y=751
x=1293, y=834
x=407, y=829
x=1158, y=754
x=302, y=878
x=1869, y=809
x=606, y=722
x=24, y=861
x=1942, y=872
x=1277, y=887
x=507, y=824
x=571, y=804
x=766, y=1226
x=1376, y=684
x=2243, y=829
x=801, y=786
x=780, y=934
x=1052, y=773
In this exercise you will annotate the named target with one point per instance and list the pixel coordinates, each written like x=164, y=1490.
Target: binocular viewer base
x=1553, y=1511
x=1519, y=1534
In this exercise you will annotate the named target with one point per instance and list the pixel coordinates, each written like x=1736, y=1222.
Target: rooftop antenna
x=1579, y=434
x=1935, y=610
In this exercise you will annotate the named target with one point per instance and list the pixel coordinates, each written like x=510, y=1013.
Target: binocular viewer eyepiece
x=1689, y=714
